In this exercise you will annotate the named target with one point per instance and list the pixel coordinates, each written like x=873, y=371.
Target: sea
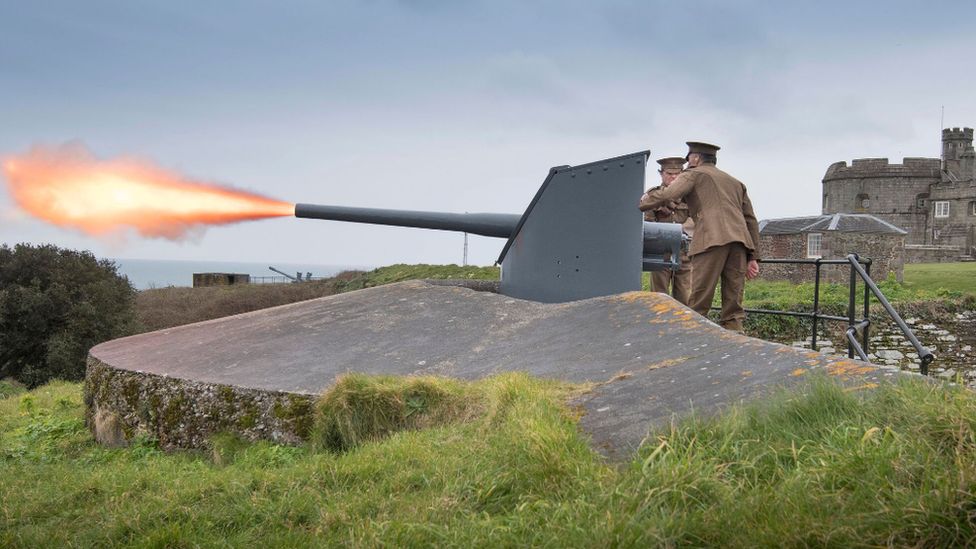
x=146, y=274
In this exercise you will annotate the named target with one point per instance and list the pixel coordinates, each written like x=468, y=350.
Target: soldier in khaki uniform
x=679, y=283
x=726, y=242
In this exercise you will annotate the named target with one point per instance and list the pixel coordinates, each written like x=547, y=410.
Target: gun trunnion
x=581, y=236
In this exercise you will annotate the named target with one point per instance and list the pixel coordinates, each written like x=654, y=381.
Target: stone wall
x=886, y=252
x=784, y=246
x=122, y=404
x=932, y=254
x=959, y=228
x=892, y=191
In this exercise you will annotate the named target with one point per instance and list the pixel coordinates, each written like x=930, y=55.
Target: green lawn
x=954, y=277
x=817, y=467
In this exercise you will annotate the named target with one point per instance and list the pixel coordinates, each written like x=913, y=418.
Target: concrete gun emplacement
x=581, y=236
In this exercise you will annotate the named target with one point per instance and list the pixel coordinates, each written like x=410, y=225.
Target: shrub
x=55, y=304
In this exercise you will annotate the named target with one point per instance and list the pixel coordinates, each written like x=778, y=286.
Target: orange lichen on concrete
x=747, y=373
x=798, y=372
x=849, y=368
x=662, y=308
x=635, y=297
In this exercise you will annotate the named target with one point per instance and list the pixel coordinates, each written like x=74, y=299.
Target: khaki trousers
x=679, y=283
x=727, y=262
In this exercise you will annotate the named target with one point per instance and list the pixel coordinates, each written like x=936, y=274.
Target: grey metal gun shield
x=581, y=235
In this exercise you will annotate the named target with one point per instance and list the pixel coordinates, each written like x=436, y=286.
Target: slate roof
x=846, y=223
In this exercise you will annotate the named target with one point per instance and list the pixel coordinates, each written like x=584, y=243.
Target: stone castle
x=933, y=199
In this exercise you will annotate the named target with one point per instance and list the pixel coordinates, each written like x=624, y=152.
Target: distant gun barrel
x=485, y=224
x=286, y=275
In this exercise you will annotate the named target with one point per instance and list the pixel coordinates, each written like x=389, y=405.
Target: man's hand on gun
x=664, y=212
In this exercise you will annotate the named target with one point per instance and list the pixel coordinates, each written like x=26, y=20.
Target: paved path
x=651, y=356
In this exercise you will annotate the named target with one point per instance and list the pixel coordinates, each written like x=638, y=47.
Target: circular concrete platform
x=257, y=373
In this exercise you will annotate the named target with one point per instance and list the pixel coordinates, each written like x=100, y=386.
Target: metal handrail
x=924, y=354
x=855, y=325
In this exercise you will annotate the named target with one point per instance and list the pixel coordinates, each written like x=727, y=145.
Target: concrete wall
x=219, y=279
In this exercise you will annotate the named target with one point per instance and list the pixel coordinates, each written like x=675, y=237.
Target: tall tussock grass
x=361, y=408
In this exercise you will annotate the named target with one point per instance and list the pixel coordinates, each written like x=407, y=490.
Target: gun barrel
x=484, y=224
x=286, y=275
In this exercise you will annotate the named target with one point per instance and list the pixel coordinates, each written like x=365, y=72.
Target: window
x=941, y=208
x=920, y=200
x=863, y=203
x=826, y=204
x=813, y=245
x=972, y=208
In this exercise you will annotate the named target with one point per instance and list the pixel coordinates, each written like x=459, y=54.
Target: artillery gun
x=296, y=278
x=581, y=236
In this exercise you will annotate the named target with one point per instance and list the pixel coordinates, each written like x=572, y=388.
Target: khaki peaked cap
x=671, y=162
x=701, y=148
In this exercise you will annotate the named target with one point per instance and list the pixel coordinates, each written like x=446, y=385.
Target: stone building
x=933, y=199
x=830, y=237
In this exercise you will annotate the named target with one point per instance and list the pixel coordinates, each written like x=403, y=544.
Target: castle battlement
x=924, y=196
x=881, y=167
x=957, y=133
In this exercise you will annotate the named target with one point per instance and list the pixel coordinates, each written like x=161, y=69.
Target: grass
x=10, y=387
x=922, y=282
x=401, y=272
x=362, y=408
x=949, y=277
x=818, y=466
x=167, y=307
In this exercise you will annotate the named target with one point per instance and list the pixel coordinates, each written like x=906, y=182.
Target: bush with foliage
x=55, y=304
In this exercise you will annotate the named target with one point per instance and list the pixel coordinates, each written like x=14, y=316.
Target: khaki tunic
x=725, y=227
x=676, y=283
x=718, y=204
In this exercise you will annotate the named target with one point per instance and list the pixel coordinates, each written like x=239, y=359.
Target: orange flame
x=69, y=187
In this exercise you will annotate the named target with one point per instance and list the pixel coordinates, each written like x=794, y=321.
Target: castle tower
x=958, y=154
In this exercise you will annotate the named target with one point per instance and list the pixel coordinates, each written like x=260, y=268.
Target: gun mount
x=581, y=236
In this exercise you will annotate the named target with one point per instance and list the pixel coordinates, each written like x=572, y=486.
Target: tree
x=55, y=304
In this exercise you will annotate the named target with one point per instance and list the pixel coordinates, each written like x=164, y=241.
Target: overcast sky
x=464, y=106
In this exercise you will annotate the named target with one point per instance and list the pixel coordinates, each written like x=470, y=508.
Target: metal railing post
x=853, y=324
x=867, y=306
x=851, y=304
x=816, y=303
x=925, y=355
